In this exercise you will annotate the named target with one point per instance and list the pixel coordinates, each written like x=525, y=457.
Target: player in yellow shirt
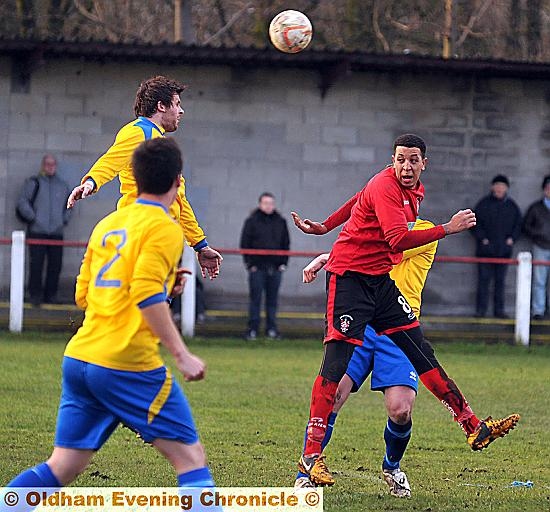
x=158, y=111
x=112, y=369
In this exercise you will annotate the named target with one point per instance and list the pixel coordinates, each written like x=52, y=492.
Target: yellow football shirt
x=130, y=263
x=118, y=161
x=410, y=275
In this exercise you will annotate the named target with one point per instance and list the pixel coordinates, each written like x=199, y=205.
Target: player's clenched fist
x=80, y=192
x=179, y=283
x=460, y=221
x=310, y=272
x=191, y=366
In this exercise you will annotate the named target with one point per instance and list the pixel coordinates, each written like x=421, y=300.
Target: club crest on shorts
x=345, y=322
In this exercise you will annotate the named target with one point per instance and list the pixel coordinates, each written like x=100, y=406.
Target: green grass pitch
x=251, y=411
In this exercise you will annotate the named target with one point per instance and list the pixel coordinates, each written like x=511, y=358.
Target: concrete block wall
x=247, y=131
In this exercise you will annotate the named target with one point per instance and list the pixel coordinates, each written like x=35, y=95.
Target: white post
x=523, y=298
x=189, y=261
x=17, y=282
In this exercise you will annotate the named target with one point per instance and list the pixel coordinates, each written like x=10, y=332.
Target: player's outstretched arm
x=83, y=280
x=331, y=222
x=210, y=262
x=460, y=221
x=80, y=192
x=309, y=227
x=160, y=321
x=179, y=283
x=309, y=274
x=108, y=166
x=342, y=393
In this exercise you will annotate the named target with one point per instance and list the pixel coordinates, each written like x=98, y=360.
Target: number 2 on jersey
x=110, y=283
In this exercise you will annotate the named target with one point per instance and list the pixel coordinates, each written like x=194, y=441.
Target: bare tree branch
x=113, y=34
x=223, y=19
x=247, y=9
x=474, y=18
x=397, y=24
x=376, y=26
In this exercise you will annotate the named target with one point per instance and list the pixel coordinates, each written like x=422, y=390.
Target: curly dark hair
x=410, y=140
x=156, y=164
x=153, y=90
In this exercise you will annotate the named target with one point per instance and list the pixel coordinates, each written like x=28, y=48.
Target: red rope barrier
x=298, y=254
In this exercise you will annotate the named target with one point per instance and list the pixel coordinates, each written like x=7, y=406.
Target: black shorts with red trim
x=355, y=300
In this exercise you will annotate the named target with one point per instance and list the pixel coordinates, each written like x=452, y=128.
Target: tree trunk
x=183, y=22
x=25, y=13
x=534, y=29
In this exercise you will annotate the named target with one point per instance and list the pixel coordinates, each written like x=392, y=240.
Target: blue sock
x=196, y=478
x=330, y=428
x=39, y=476
x=326, y=439
x=397, y=438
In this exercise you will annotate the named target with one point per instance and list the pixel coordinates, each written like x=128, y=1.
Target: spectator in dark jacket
x=42, y=205
x=264, y=229
x=537, y=227
x=497, y=230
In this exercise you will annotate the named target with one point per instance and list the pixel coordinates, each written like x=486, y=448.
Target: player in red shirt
x=378, y=222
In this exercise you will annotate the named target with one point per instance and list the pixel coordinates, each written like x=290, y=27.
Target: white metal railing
x=17, y=288
x=523, y=298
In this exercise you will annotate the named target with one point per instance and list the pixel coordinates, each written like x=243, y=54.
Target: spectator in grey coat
x=42, y=206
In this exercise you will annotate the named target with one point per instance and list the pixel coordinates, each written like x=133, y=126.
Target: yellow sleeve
x=83, y=280
x=117, y=157
x=424, y=249
x=428, y=249
x=154, y=271
x=191, y=229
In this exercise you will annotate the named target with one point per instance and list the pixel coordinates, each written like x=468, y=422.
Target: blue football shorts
x=382, y=358
x=95, y=399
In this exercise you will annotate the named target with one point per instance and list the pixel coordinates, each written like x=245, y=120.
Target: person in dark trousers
x=42, y=205
x=264, y=229
x=497, y=230
x=537, y=227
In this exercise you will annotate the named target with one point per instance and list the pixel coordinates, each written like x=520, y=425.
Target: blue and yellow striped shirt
x=118, y=161
x=130, y=263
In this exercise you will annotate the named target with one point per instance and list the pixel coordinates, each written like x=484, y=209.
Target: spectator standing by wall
x=537, y=227
x=497, y=230
x=42, y=206
x=264, y=229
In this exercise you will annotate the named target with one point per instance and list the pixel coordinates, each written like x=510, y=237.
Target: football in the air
x=290, y=31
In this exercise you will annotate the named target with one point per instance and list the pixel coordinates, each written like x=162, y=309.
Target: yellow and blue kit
x=112, y=369
x=379, y=355
x=118, y=161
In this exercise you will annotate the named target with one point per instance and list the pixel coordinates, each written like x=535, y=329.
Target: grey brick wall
x=248, y=131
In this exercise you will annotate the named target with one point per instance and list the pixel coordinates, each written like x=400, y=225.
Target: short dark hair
x=410, y=140
x=157, y=163
x=153, y=90
x=545, y=181
x=265, y=194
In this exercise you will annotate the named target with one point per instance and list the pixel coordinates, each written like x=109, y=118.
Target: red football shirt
x=377, y=232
